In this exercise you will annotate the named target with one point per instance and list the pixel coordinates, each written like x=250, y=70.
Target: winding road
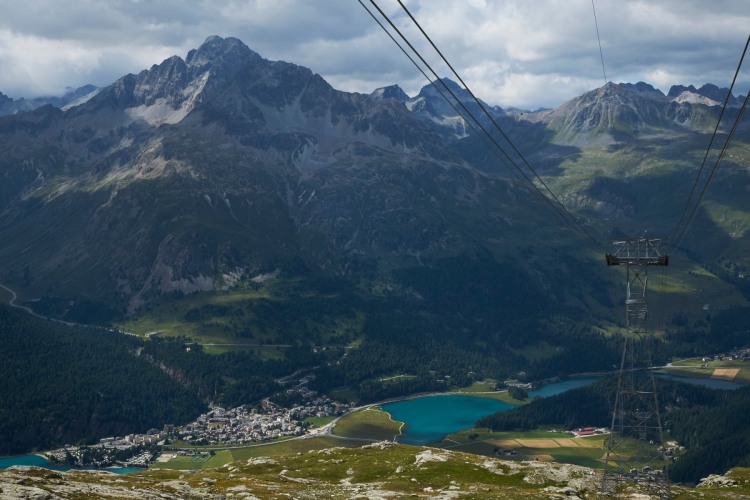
x=12, y=303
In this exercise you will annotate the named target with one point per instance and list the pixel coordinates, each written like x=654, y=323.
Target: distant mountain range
x=431, y=104
x=223, y=166
x=73, y=97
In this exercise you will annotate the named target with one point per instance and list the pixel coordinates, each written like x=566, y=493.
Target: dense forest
x=65, y=384
x=722, y=331
x=592, y=405
x=717, y=436
x=402, y=343
x=453, y=321
x=230, y=379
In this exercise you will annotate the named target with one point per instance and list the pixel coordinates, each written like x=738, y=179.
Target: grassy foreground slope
x=381, y=470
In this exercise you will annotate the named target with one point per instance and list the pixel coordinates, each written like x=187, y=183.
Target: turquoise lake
x=560, y=387
x=430, y=418
x=38, y=461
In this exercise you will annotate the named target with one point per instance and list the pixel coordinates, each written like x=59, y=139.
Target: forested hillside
x=63, y=384
x=67, y=384
x=717, y=436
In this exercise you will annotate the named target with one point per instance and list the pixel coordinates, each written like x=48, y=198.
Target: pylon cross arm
x=637, y=251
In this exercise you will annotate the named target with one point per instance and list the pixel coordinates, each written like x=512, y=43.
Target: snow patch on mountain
x=456, y=123
x=81, y=99
x=693, y=98
x=158, y=113
x=163, y=109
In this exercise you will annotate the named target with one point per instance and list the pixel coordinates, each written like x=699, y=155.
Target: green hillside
x=379, y=470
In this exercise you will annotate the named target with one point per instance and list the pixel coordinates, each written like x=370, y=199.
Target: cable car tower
x=634, y=459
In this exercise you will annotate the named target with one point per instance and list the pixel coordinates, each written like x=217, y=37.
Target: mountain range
x=201, y=173
x=72, y=97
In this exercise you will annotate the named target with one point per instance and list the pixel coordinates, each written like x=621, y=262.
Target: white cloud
x=661, y=77
x=512, y=52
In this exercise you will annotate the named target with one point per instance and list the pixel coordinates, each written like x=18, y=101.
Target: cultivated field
x=725, y=373
x=542, y=445
x=735, y=370
x=547, y=443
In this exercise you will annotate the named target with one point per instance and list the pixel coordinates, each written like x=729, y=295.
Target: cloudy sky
x=525, y=53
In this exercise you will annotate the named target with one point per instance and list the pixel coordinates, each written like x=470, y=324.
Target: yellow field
x=586, y=451
x=546, y=443
x=538, y=443
x=725, y=373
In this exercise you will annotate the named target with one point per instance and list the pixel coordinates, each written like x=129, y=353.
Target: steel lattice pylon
x=635, y=462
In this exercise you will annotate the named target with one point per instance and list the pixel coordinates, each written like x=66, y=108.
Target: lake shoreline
x=421, y=428
x=552, y=388
x=39, y=459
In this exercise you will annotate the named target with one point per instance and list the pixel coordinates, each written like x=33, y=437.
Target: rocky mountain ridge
x=249, y=143
x=198, y=171
x=627, y=110
x=171, y=89
x=167, y=92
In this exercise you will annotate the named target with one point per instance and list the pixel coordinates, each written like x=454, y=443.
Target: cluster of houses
x=235, y=426
x=246, y=424
x=240, y=425
x=77, y=456
x=140, y=460
x=733, y=355
x=516, y=383
x=153, y=436
x=112, y=452
x=736, y=354
x=671, y=449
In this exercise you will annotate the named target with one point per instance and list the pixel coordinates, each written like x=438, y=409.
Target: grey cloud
x=522, y=53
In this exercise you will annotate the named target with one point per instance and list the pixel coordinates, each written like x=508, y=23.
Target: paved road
x=12, y=303
x=250, y=345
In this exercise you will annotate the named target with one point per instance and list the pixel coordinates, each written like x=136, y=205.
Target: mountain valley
x=247, y=221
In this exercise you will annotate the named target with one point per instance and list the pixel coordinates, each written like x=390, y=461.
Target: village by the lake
x=232, y=427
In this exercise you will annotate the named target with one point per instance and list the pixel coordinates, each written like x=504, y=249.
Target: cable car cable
x=497, y=127
x=705, y=157
x=560, y=210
